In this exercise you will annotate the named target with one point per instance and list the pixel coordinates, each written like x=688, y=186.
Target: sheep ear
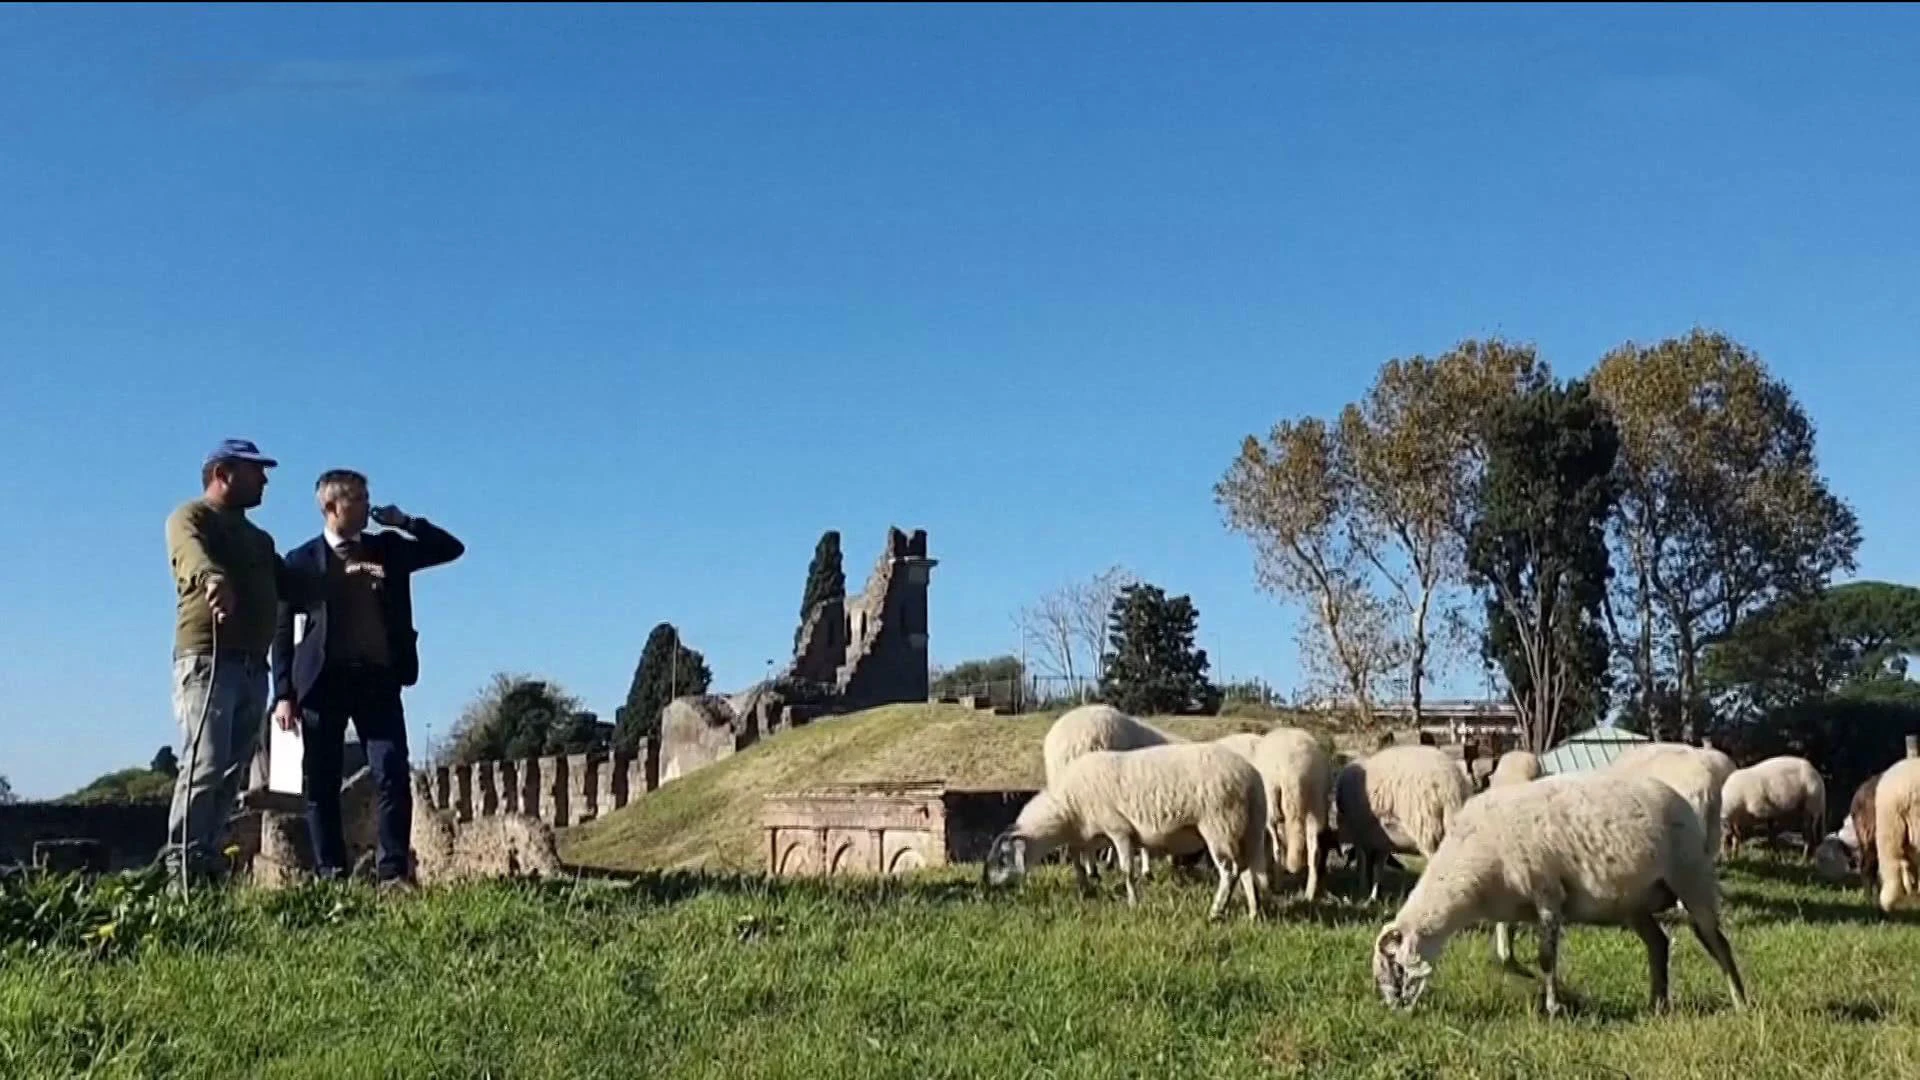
x=1020, y=853
x=1388, y=941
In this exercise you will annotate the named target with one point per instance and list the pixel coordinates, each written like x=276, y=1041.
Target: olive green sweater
x=204, y=540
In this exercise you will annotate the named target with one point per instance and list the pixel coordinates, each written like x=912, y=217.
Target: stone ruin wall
x=885, y=629
x=863, y=650
x=561, y=790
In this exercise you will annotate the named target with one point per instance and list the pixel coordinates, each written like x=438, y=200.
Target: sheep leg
x=1503, y=946
x=1224, y=865
x=1550, y=958
x=1706, y=927
x=1314, y=860
x=1250, y=887
x=1648, y=927
x=1123, y=856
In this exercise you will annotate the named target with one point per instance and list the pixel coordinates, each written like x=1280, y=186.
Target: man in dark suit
x=346, y=655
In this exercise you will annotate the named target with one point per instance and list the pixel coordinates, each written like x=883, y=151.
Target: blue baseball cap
x=239, y=450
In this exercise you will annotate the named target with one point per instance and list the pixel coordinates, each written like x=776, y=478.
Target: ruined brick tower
x=872, y=648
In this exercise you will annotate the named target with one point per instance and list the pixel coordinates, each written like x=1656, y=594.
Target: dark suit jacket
x=296, y=668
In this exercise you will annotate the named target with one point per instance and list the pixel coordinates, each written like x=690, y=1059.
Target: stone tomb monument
x=888, y=827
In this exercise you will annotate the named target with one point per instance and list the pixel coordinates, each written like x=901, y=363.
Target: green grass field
x=682, y=974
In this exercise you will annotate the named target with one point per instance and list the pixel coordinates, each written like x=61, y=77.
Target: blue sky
x=637, y=301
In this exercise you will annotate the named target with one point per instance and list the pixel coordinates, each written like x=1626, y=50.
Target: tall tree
x=1152, y=665
x=1840, y=641
x=1413, y=453
x=826, y=579
x=1538, y=551
x=1722, y=509
x=667, y=669
x=165, y=763
x=1293, y=498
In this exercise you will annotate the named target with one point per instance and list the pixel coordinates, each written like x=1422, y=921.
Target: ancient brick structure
x=854, y=653
x=882, y=828
x=872, y=647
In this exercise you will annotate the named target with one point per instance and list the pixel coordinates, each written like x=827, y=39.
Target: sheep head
x=1833, y=860
x=1399, y=970
x=1006, y=859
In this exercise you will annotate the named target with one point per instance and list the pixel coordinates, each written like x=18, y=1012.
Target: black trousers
x=370, y=698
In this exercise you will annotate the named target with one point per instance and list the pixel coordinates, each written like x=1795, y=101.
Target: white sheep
x=1298, y=775
x=1696, y=774
x=1096, y=726
x=1778, y=790
x=1514, y=767
x=1896, y=831
x=1173, y=799
x=1398, y=800
x=1598, y=848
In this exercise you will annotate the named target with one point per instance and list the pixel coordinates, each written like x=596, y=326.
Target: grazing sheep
x=1850, y=851
x=1397, y=801
x=1299, y=778
x=1514, y=767
x=1694, y=773
x=1896, y=831
x=1594, y=848
x=1779, y=789
x=1174, y=799
x=1096, y=727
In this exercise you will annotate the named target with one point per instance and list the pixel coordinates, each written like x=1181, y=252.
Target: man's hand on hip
x=287, y=715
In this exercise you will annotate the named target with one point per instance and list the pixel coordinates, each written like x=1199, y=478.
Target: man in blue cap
x=229, y=582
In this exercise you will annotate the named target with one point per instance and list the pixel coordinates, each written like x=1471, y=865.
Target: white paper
x=284, y=747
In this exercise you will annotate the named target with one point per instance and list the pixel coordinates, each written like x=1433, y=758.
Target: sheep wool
x=1514, y=767
x=1240, y=742
x=1096, y=727
x=1860, y=811
x=1298, y=775
x=1778, y=791
x=1398, y=800
x=1696, y=775
x=1173, y=799
x=1597, y=848
x=1896, y=829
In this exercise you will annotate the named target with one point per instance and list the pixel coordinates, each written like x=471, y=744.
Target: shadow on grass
x=1759, y=909
x=1855, y=1012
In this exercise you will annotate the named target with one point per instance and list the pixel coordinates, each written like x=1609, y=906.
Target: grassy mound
x=711, y=817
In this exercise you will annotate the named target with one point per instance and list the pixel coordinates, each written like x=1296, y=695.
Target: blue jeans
x=220, y=705
x=370, y=697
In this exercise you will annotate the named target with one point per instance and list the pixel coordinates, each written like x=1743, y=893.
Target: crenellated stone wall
x=560, y=790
